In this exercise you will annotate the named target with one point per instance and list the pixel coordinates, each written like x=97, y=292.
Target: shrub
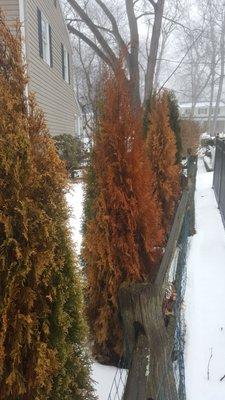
x=70, y=150
x=42, y=331
x=123, y=234
x=175, y=124
x=190, y=136
x=162, y=155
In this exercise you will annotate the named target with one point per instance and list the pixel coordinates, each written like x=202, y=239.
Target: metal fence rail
x=219, y=176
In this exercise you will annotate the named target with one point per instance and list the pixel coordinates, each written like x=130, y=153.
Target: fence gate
x=219, y=176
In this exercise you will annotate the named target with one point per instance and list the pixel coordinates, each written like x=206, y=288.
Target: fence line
x=155, y=347
x=219, y=176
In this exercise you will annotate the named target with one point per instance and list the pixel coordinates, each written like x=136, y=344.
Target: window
x=65, y=64
x=78, y=126
x=45, y=39
x=202, y=111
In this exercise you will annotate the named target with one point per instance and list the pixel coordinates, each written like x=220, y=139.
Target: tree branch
x=153, y=3
x=115, y=28
x=91, y=44
x=69, y=20
x=166, y=18
x=101, y=40
x=181, y=61
x=115, y=31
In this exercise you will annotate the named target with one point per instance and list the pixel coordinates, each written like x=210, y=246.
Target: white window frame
x=78, y=126
x=66, y=65
x=45, y=40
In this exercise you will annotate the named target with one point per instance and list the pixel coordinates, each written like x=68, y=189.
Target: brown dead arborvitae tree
x=123, y=236
x=42, y=330
x=162, y=152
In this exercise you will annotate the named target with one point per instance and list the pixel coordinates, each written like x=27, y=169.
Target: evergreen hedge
x=42, y=330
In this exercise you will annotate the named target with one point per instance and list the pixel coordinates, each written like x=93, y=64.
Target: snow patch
x=108, y=381
x=204, y=298
x=75, y=199
x=105, y=378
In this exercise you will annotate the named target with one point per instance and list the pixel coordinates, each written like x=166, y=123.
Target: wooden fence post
x=192, y=172
x=149, y=343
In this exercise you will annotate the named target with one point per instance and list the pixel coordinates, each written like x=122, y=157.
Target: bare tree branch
x=115, y=31
x=90, y=43
x=181, y=61
x=144, y=14
x=153, y=3
x=103, y=43
x=115, y=28
x=70, y=20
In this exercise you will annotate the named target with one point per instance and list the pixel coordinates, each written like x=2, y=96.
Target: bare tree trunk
x=134, y=54
x=150, y=72
x=213, y=73
x=159, y=61
x=222, y=52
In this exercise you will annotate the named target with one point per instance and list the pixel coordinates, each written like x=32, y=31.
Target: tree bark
x=222, y=53
x=151, y=64
x=134, y=53
x=159, y=61
x=105, y=52
x=213, y=73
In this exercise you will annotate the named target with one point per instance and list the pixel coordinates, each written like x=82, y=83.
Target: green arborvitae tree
x=174, y=118
x=70, y=150
x=91, y=191
x=42, y=331
x=67, y=328
x=162, y=156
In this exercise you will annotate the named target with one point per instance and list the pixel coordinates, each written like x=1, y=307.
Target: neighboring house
x=201, y=114
x=48, y=55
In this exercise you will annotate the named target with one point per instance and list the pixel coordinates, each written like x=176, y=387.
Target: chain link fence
x=119, y=382
x=219, y=176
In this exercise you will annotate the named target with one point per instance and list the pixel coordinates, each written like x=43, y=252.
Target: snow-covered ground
x=75, y=202
x=102, y=376
x=205, y=298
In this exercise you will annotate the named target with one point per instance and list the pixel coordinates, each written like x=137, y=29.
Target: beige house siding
x=11, y=10
x=54, y=95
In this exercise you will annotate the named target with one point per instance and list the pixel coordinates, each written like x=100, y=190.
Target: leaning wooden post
x=192, y=172
x=149, y=343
